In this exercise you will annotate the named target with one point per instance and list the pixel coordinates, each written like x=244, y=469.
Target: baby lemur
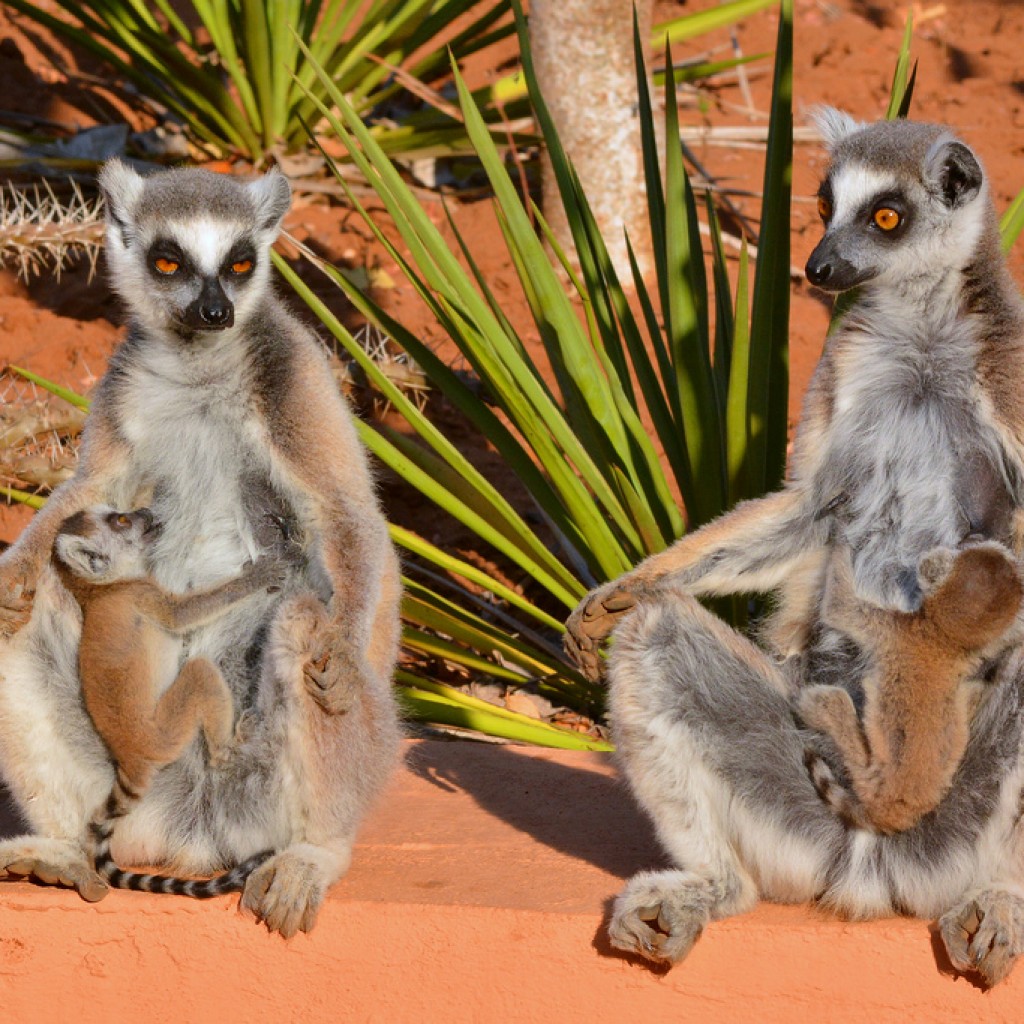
x=100, y=556
x=921, y=687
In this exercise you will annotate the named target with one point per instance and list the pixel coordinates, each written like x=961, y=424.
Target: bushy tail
x=101, y=829
x=835, y=795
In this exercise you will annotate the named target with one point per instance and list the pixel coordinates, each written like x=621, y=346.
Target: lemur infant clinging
x=921, y=687
x=100, y=556
x=220, y=413
x=915, y=414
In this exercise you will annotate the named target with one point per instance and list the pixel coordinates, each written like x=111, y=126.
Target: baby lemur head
x=101, y=545
x=901, y=201
x=189, y=249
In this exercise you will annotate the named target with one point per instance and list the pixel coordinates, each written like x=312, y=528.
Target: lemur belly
x=218, y=510
x=918, y=467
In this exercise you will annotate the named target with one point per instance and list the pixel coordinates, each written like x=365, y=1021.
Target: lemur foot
x=53, y=862
x=287, y=891
x=934, y=567
x=985, y=934
x=659, y=915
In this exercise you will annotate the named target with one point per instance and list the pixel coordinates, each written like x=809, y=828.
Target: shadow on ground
x=579, y=812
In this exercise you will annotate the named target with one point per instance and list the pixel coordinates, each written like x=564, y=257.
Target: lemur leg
x=712, y=752
x=339, y=762
x=198, y=697
x=830, y=709
x=710, y=748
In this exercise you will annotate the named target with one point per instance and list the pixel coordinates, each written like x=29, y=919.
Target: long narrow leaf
x=769, y=332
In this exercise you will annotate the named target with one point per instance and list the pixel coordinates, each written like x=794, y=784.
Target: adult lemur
x=912, y=438
x=220, y=413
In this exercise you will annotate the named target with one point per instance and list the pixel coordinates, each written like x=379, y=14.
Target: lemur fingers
x=594, y=619
x=16, y=600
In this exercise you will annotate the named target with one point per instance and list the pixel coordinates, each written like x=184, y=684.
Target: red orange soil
x=970, y=76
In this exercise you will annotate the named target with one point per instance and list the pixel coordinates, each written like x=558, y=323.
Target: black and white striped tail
x=840, y=800
x=101, y=829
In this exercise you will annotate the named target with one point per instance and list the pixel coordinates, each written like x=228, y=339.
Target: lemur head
x=102, y=545
x=900, y=201
x=188, y=249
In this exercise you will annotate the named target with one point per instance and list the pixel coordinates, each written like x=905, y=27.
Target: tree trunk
x=583, y=52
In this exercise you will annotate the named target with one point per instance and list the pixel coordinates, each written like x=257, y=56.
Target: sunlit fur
x=921, y=686
x=238, y=440
x=101, y=557
x=911, y=439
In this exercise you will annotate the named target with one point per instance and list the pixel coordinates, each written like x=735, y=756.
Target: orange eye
x=887, y=218
x=124, y=520
x=241, y=266
x=166, y=266
x=824, y=208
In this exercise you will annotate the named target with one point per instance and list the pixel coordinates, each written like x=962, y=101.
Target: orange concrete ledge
x=478, y=893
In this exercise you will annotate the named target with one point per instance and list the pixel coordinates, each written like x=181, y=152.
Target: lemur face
x=899, y=204
x=102, y=545
x=188, y=249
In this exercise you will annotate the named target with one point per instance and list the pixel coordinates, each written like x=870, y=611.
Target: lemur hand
x=268, y=571
x=335, y=671
x=593, y=619
x=17, y=594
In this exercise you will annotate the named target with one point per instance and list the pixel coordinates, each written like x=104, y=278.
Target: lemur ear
x=121, y=188
x=953, y=171
x=834, y=125
x=81, y=557
x=272, y=196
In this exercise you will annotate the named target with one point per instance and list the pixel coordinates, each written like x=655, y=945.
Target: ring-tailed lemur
x=101, y=557
x=220, y=413
x=915, y=416
x=921, y=685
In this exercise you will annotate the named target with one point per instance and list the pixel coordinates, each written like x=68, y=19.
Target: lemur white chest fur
x=174, y=403
x=908, y=439
x=905, y=431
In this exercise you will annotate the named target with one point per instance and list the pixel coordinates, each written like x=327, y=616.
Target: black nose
x=216, y=315
x=818, y=272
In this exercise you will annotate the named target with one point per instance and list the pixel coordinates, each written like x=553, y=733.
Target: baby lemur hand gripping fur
x=916, y=415
x=219, y=412
x=921, y=686
x=100, y=556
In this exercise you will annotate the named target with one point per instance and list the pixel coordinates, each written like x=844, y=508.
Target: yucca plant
x=586, y=447
x=244, y=76
x=235, y=72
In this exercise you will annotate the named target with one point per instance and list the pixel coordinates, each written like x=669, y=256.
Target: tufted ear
x=121, y=188
x=81, y=557
x=952, y=171
x=272, y=196
x=834, y=125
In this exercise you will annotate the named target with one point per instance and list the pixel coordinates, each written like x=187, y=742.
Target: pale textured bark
x=583, y=51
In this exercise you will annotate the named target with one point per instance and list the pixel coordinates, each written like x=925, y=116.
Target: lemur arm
x=748, y=549
x=179, y=612
x=317, y=454
x=753, y=547
x=103, y=459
